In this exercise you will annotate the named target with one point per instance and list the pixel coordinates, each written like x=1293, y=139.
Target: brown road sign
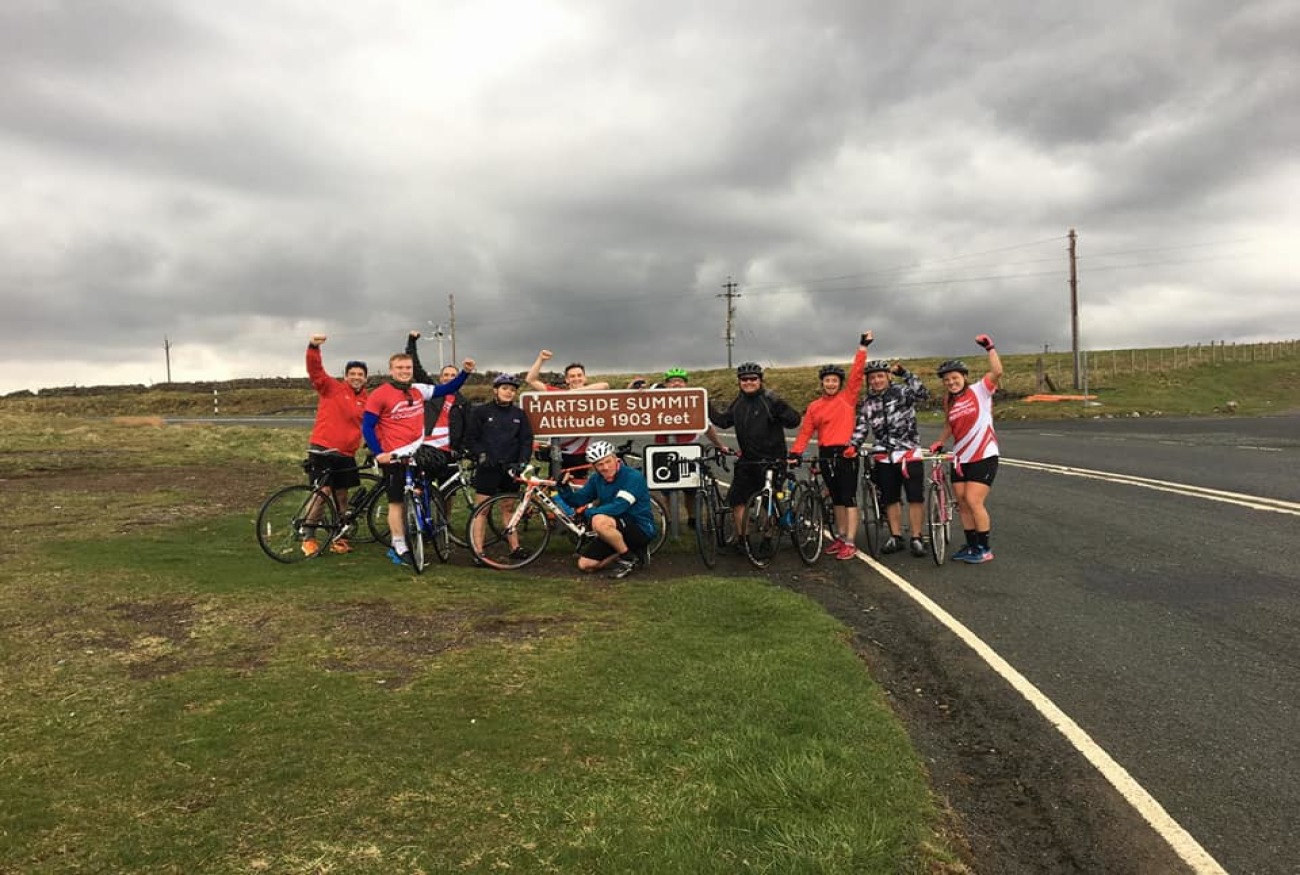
x=617, y=412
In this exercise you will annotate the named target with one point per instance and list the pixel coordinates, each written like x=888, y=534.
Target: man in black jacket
x=760, y=418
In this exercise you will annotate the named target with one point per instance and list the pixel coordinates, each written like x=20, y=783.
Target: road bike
x=940, y=505
x=771, y=511
x=458, y=502
x=303, y=521
x=715, y=526
x=423, y=516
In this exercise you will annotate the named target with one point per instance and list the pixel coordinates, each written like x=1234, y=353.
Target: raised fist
x=985, y=341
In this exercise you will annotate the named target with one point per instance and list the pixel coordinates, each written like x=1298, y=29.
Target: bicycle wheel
x=377, y=517
x=527, y=525
x=935, y=508
x=291, y=518
x=661, y=527
x=360, y=503
x=414, y=532
x=726, y=519
x=763, y=530
x=458, y=503
x=439, y=530
x=706, y=527
x=873, y=521
x=808, y=522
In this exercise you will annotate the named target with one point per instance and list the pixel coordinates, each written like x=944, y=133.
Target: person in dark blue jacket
x=615, y=502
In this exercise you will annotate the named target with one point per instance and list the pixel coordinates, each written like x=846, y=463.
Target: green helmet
x=676, y=373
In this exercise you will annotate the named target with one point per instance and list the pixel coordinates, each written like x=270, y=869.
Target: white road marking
x=1260, y=449
x=1254, y=502
x=1146, y=805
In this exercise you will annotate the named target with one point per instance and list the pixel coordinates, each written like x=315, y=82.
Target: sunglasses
x=750, y=379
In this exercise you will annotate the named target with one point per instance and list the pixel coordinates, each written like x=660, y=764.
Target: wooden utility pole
x=167, y=354
x=1074, y=308
x=731, y=294
x=451, y=303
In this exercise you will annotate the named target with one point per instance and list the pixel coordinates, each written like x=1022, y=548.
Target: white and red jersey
x=970, y=417
x=440, y=435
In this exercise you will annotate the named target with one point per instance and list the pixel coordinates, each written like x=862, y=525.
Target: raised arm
x=533, y=377
x=418, y=373
x=994, y=376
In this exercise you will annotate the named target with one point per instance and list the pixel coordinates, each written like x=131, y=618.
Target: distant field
x=1196, y=380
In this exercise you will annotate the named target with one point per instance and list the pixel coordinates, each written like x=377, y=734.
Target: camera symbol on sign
x=667, y=468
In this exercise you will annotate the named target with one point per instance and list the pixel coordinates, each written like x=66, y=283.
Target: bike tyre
x=414, y=533
x=874, y=522
x=706, y=527
x=808, y=522
x=763, y=530
x=533, y=531
x=938, y=526
x=282, y=523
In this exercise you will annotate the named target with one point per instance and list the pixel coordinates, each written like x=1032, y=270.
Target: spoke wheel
x=414, y=532
x=293, y=516
x=439, y=530
x=491, y=544
x=706, y=527
x=661, y=527
x=377, y=518
x=873, y=522
x=938, y=526
x=808, y=523
x=762, y=530
x=360, y=505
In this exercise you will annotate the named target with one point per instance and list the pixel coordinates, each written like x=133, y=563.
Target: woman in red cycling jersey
x=969, y=412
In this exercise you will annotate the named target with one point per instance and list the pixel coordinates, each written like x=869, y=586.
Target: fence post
x=216, y=409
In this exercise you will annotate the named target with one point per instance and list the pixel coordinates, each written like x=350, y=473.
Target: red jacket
x=338, y=412
x=832, y=417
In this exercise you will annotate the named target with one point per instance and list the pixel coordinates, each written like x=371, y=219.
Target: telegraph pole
x=451, y=303
x=1074, y=308
x=167, y=354
x=731, y=294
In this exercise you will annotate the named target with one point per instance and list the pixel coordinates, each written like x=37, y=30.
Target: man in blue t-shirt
x=615, y=502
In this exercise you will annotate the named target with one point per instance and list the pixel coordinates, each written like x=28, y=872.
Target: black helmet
x=954, y=365
x=876, y=366
x=506, y=380
x=749, y=369
x=831, y=371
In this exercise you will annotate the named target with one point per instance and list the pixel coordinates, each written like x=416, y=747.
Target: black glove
x=863, y=340
x=985, y=341
x=514, y=468
x=898, y=371
x=482, y=458
x=793, y=458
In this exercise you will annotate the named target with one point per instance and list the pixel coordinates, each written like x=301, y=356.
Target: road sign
x=617, y=412
x=672, y=467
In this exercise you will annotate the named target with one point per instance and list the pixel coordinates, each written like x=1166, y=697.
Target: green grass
x=173, y=701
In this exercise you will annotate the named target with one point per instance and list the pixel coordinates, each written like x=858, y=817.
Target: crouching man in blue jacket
x=615, y=502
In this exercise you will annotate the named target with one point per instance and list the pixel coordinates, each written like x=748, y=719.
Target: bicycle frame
x=940, y=504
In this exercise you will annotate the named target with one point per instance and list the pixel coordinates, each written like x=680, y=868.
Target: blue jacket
x=627, y=495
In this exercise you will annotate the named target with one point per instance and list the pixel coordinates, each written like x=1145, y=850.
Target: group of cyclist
x=415, y=414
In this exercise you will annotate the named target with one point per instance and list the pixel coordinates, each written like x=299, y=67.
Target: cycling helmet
x=952, y=365
x=876, y=366
x=597, y=450
x=676, y=374
x=506, y=380
x=831, y=371
x=749, y=369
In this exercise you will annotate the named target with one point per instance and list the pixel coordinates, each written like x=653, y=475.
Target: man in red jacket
x=336, y=434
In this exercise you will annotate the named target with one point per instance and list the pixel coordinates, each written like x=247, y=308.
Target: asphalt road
x=1167, y=625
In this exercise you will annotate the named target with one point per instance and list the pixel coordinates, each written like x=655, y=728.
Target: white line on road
x=1254, y=502
x=1152, y=811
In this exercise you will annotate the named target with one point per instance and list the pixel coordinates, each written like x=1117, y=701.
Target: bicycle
x=294, y=515
x=771, y=511
x=526, y=524
x=874, y=522
x=715, y=527
x=423, y=516
x=940, y=500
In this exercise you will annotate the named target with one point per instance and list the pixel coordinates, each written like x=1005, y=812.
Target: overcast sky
x=585, y=176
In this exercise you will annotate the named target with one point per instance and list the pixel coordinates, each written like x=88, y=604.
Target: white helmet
x=597, y=450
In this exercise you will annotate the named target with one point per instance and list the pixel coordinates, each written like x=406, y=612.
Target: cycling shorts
x=982, y=471
x=632, y=536
x=341, y=469
x=747, y=481
x=492, y=478
x=840, y=475
x=889, y=479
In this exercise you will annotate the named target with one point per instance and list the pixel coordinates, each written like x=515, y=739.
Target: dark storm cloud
x=585, y=179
